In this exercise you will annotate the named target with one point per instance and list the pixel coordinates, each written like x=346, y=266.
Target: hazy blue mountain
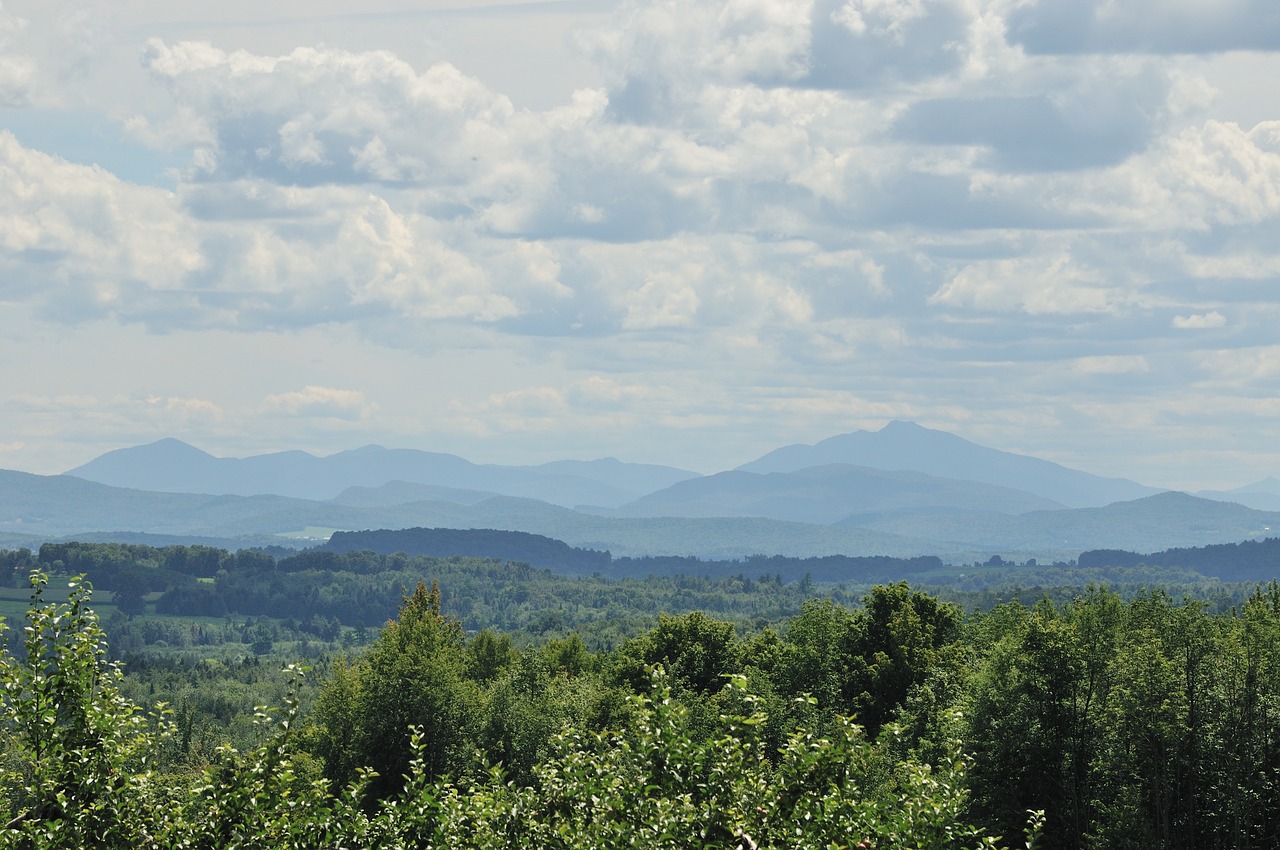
x=1162, y=521
x=1261, y=495
x=61, y=506
x=908, y=446
x=826, y=494
x=1270, y=484
x=900, y=514
x=55, y=505
x=167, y=465
x=36, y=507
x=638, y=477
x=172, y=466
x=403, y=492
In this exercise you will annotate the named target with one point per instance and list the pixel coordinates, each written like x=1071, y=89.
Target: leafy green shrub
x=77, y=773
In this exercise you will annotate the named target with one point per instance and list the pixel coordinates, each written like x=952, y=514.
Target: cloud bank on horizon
x=678, y=232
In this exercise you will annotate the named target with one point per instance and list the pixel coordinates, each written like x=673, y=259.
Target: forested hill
x=558, y=556
x=533, y=549
x=1249, y=560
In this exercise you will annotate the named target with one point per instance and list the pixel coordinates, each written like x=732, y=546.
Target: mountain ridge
x=172, y=466
x=903, y=445
x=827, y=494
x=36, y=507
x=774, y=505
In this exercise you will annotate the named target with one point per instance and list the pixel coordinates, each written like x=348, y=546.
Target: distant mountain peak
x=904, y=445
x=168, y=443
x=165, y=450
x=1270, y=484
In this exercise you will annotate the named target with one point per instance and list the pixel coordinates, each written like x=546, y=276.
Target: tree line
x=80, y=767
x=558, y=556
x=1248, y=560
x=899, y=721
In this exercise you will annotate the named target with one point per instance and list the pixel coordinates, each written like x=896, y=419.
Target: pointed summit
x=903, y=445
x=140, y=467
x=1269, y=485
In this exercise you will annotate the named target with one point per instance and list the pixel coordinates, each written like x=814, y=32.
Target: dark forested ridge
x=533, y=549
x=1249, y=560
x=545, y=552
x=320, y=589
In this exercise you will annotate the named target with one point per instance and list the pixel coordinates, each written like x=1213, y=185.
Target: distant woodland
x=477, y=702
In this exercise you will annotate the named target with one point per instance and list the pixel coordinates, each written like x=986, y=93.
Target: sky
x=669, y=231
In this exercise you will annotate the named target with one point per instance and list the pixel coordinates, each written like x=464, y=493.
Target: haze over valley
x=902, y=491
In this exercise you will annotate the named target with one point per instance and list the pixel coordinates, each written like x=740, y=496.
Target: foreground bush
x=76, y=773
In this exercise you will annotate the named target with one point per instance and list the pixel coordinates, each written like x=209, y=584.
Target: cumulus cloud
x=895, y=207
x=414, y=274
x=187, y=407
x=1196, y=321
x=46, y=52
x=85, y=244
x=664, y=301
x=17, y=71
x=319, y=115
x=1040, y=285
x=860, y=43
x=319, y=401
x=665, y=61
x=1220, y=173
x=82, y=242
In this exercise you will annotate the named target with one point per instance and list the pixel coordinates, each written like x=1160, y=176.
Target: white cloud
x=398, y=264
x=1219, y=173
x=1243, y=366
x=962, y=211
x=1212, y=319
x=1038, y=285
x=319, y=401
x=79, y=240
x=666, y=300
x=45, y=52
x=17, y=71
x=188, y=408
x=85, y=244
x=326, y=115
x=891, y=20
